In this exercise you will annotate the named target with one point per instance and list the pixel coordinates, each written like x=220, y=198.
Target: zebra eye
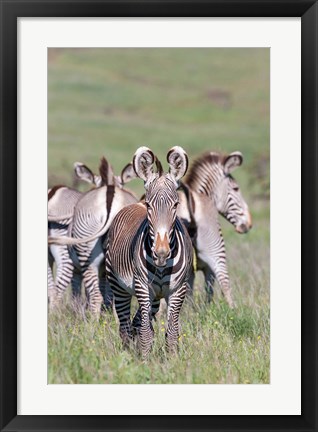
x=175, y=205
x=236, y=188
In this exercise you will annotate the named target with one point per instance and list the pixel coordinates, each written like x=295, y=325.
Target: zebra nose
x=160, y=257
x=161, y=250
x=160, y=260
x=243, y=228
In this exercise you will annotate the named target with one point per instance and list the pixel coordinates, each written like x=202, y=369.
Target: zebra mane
x=159, y=167
x=204, y=172
x=106, y=172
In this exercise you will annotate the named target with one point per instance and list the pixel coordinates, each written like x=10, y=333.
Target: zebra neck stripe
x=109, y=198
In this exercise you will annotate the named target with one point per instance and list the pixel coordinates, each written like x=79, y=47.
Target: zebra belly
x=160, y=292
x=163, y=285
x=206, y=259
x=160, y=286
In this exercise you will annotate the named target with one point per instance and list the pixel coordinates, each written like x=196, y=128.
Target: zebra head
x=229, y=200
x=211, y=175
x=127, y=174
x=161, y=198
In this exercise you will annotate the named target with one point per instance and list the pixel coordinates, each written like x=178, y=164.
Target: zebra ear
x=232, y=161
x=143, y=163
x=98, y=181
x=178, y=162
x=127, y=173
x=118, y=182
x=84, y=173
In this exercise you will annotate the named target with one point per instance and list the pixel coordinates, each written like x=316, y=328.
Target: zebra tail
x=75, y=241
x=59, y=218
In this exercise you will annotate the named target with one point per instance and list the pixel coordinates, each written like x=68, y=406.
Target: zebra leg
x=209, y=277
x=174, y=302
x=122, y=307
x=222, y=276
x=90, y=256
x=50, y=279
x=214, y=267
x=105, y=288
x=155, y=308
x=211, y=258
x=218, y=270
x=93, y=294
x=146, y=332
x=136, y=322
x=77, y=283
x=137, y=318
x=64, y=271
x=190, y=288
x=77, y=275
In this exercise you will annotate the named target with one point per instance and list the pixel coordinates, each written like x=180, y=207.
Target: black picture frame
x=10, y=11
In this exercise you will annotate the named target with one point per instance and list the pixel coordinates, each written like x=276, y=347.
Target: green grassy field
x=111, y=101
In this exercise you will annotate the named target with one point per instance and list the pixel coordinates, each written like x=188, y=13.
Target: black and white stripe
x=149, y=253
x=209, y=189
x=62, y=202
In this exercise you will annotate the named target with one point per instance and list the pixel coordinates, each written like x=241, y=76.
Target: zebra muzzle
x=245, y=224
x=242, y=229
x=161, y=251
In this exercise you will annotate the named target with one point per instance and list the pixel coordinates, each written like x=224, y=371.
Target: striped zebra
x=61, y=203
x=208, y=190
x=149, y=252
x=92, y=216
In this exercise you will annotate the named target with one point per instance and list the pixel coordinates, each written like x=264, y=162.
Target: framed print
x=82, y=80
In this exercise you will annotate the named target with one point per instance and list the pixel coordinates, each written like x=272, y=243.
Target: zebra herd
x=120, y=246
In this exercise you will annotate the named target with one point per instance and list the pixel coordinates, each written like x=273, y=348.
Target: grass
x=217, y=344
x=109, y=102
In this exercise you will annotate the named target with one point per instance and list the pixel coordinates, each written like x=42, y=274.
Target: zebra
x=208, y=190
x=92, y=216
x=61, y=204
x=149, y=252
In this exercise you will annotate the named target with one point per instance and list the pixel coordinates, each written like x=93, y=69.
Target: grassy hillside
x=111, y=101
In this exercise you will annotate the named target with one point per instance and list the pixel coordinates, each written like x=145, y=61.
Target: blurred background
x=111, y=101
